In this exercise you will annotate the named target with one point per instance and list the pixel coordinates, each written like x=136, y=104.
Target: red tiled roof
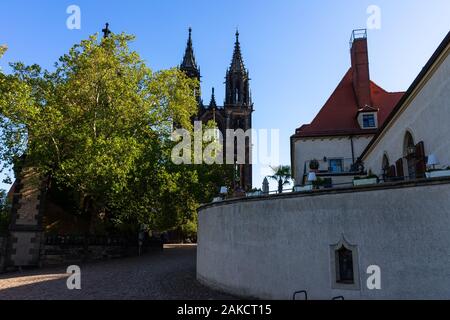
x=339, y=114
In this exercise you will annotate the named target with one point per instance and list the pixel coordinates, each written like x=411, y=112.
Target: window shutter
x=391, y=172
x=399, y=167
x=421, y=166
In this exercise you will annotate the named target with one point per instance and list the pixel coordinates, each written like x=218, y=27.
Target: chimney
x=360, y=67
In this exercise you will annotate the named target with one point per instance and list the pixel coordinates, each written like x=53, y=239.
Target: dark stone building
x=236, y=112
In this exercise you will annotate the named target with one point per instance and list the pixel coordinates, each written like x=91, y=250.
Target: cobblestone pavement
x=161, y=275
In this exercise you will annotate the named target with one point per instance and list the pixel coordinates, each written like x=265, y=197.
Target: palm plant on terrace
x=281, y=174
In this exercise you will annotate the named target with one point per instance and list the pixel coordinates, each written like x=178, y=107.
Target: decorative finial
x=106, y=31
x=213, y=103
x=190, y=37
x=237, y=35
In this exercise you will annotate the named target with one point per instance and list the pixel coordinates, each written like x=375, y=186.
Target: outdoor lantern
x=411, y=150
x=312, y=177
x=432, y=160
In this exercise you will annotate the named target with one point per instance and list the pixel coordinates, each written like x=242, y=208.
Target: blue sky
x=296, y=51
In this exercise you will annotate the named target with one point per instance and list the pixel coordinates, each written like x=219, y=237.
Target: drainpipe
x=353, y=150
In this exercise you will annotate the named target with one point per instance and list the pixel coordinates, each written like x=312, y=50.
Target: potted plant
x=369, y=179
x=254, y=193
x=307, y=187
x=437, y=173
x=314, y=165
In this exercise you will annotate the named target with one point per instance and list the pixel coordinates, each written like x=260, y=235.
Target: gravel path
x=164, y=275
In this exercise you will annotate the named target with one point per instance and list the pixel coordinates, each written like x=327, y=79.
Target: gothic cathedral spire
x=189, y=65
x=237, y=80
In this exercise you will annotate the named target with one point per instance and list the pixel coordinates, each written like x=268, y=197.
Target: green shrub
x=370, y=175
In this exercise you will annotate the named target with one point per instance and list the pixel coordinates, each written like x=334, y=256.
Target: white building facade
x=418, y=127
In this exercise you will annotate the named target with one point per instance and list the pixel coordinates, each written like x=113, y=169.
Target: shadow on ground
x=166, y=275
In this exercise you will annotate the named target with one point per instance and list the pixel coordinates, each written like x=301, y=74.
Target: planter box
x=254, y=194
x=303, y=188
x=437, y=174
x=365, y=182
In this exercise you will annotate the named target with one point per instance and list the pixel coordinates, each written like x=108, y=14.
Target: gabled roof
x=398, y=107
x=339, y=114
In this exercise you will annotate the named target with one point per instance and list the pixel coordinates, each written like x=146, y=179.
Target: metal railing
x=304, y=292
x=107, y=241
x=79, y=240
x=332, y=166
x=332, y=186
x=358, y=34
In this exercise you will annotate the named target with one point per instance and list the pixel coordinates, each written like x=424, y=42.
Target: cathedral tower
x=238, y=107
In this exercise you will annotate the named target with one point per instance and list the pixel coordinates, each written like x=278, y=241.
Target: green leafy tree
x=3, y=49
x=100, y=125
x=281, y=174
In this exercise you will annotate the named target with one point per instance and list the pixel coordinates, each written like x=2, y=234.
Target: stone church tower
x=236, y=113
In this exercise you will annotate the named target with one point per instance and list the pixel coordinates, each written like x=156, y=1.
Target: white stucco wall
x=331, y=147
x=426, y=116
x=272, y=247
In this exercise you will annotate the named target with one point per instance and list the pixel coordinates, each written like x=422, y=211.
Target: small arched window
x=408, y=145
x=344, y=272
x=344, y=266
x=410, y=154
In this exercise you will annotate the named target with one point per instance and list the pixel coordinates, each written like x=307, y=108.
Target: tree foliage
x=100, y=124
x=281, y=174
x=3, y=49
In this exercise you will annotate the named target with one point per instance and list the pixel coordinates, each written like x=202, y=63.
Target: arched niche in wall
x=409, y=152
x=344, y=266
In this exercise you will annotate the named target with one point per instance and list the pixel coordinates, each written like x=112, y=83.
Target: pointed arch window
x=344, y=271
x=410, y=154
x=344, y=266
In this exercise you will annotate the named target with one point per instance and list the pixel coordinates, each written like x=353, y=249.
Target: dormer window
x=369, y=121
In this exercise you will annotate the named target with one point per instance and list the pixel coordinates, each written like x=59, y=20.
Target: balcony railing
x=333, y=166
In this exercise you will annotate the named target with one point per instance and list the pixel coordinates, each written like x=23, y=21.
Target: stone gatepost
x=26, y=220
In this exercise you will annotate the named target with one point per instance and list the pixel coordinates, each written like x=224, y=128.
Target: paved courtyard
x=162, y=275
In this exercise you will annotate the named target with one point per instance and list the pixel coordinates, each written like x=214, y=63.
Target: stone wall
x=273, y=246
x=64, y=251
x=26, y=227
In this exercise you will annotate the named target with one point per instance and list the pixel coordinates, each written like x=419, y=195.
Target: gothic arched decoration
x=409, y=151
x=344, y=272
x=408, y=144
x=344, y=266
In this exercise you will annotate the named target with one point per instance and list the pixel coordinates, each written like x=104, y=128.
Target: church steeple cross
x=106, y=31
